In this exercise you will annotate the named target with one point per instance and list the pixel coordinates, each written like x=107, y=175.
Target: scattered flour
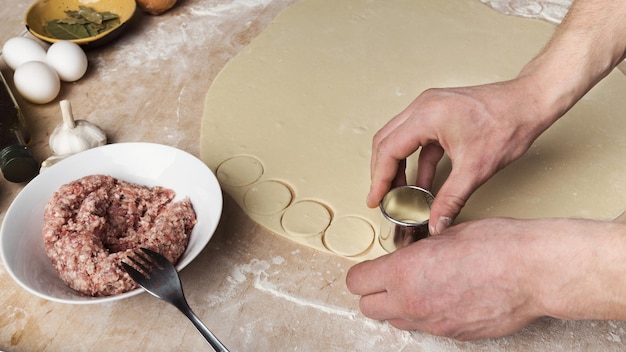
x=551, y=11
x=227, y=8
x=262, y=284
x=258, y=270
x=278, y=260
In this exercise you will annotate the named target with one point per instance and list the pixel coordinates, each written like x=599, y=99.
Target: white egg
x=37, y=82
x=19, y=50
x=68, y=59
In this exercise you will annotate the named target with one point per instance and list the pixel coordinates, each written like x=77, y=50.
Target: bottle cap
x=18, y=164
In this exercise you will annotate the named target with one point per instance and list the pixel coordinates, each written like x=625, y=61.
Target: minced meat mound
x=92, y=224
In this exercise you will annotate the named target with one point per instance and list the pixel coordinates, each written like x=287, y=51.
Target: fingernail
x=443, y=223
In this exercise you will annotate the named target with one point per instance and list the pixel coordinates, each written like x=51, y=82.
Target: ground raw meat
x=92, y=224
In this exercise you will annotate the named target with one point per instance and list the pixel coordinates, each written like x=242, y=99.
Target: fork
x=162, y=281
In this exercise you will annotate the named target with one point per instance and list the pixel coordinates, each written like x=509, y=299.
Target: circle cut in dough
x=266, y=198
x=239, y=171
x=349, y=236
x=306, y=218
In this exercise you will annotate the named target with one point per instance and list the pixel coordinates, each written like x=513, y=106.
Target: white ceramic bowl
x=21, y=243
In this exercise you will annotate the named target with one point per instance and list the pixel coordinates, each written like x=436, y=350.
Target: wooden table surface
x=255, y=290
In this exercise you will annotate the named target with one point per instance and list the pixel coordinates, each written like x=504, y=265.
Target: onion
x=155, y=7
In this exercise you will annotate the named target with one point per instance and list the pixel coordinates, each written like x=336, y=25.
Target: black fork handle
x=208, y=335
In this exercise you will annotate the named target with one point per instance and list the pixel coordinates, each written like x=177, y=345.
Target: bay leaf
x=93, y=29
x=90, y=14
x=107, y=16
x=66, y=31
x=73, y=21
x=73, y=14
x=110, y=24
x=86, y=22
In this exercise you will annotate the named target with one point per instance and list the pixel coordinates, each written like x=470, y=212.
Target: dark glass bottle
x=16, y=161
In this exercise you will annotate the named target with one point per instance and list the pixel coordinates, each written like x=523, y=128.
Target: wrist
x=587, y=46
x=579, y=268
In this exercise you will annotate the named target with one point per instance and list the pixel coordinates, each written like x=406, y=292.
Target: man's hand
x=482, y=129
x=490, y=278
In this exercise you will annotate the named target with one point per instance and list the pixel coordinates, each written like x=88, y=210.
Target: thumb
x=450, y=199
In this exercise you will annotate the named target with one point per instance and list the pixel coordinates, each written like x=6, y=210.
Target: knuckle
x=378, y=138
x=452, y=202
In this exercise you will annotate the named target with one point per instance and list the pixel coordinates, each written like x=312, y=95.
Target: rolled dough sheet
x=288, y=123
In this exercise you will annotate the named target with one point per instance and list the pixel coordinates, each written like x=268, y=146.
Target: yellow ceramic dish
x=43, y=11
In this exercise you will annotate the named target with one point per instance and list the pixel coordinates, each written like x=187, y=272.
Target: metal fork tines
x=160, y=278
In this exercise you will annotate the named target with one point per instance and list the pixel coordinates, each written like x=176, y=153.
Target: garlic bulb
x=73, y=136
